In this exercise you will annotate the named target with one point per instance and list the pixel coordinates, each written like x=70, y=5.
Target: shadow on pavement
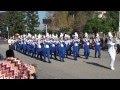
x=56, y=59
x=70, y=58
x=96, y=64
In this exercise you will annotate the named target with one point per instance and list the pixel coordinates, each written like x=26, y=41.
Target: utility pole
x=46, y=28
x=8, y=32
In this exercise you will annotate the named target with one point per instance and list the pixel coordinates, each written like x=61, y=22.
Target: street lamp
x=46, y=22
x=8, y=32
x=46, y=29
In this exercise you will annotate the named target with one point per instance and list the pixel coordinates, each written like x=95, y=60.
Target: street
x=92, y=68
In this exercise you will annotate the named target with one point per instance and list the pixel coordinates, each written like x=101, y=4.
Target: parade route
x=92, y=68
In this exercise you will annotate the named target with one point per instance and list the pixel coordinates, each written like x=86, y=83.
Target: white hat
x=39, y=36
x=65, y=35
x=86, y=35
x=68, y=36
x=76, y=34
x=29, y=35
x=50, y=35
x=61, y=35
x=33, y=37
x=18, y=36
x=110, y=34
x=47, y=35
x=24, y=35
x=53, y=36
x=21, y=36
x=97, y=35
x=13, y=37
x=56, y=35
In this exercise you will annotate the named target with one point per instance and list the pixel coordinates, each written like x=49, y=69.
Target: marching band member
x=42, y=45
x=118, y=44
x=97, y=45
x=57, y=44
x=46, y=50
x=29, y=44
x=40, y=48
x=70, y=42
x=24, y=46
x=75, y=46
x=33, y=46
x=67, y=44
x=61, y=48
x=86, y=46
x=111, y=50
x=9, y=42
x=53, y=47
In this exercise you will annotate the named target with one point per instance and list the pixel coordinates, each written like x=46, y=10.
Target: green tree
x=109, y=23
x=94, y=25
x=32, y=21
x=59, y=21
x=1, y=24
x=113, y=18
x=20, y=23
x=80, y=20
x=14, y=20
x=84, y=21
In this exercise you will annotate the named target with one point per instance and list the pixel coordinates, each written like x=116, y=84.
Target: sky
x=42, y=15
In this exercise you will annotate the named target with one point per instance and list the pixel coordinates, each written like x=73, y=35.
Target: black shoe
x=44, y=61
x=41, y=59
x=98, y=56
x=55, y=58
x=49, y=61
x=63, y=61
x=87, y=58
x=95, y=57
x=75, y=59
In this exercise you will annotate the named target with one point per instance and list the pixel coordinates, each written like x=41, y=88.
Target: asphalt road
x=92, y=68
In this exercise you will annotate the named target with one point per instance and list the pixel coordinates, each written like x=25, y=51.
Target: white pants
x=112, y=58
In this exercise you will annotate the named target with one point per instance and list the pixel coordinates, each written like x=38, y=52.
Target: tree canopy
x=62, y=21
x=83, y=21
x=20, y=22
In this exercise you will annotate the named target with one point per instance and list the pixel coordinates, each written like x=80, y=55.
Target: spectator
x=106, y=40
x=118, y=45
x=1, y=57
x=101, y=40
x=9, y=42
x=15, y=68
